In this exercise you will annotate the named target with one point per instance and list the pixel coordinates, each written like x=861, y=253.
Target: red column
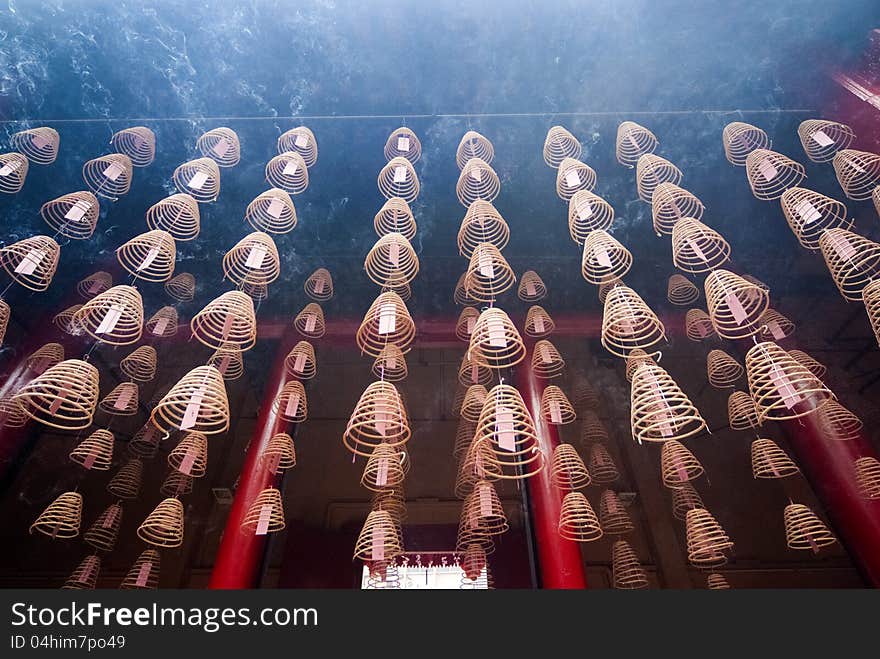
x=559, y=560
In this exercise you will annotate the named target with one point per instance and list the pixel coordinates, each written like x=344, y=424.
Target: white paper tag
x=485, y=500
x=292, y=405
x=602, y=258
x=477, y=174
x=39, y=141
x=544, y=351
x=191, y=413
x=403, y=144
x=274, y=208
x=855, y=165
x=311, y=322
x=775, y=330
x=299, y=363
x=808, y=213
x=124, y=399
x=301, y=141
x=696, y=249
x=539, y=324
x=29, y=263
x=584, y=209
x=290, y=167
x=265, y=517
x=572, y=178
x=9, y=167
x=842, y=246
x=382, y=472
x=821, y=138
x=504, y=432
x=108, y=324
x=112, y=171
x=148, y=259
x=159, y=326
x=76, y=212
x=387, y=318
x=220, y=147
x=497, y=336
x=736, y=308
x=767, y=169
x=378, y=540
x=255, y=257
x=555, y=412
x=484, y=260
x=394, y=254
x=198, y=180
x=380, y=421
x=400, y=174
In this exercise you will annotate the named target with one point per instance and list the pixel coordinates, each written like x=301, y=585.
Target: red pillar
x=559, y=560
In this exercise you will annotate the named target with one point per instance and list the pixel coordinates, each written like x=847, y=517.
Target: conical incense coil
x=39, y=145
x=198, y=178
x=392, y=500
x=477, y=180
x=64, y=396
x=181, y=287
x=149, y=256
x=399, y=179
x=771, y=173
x=470, y=372
x=697, y=248
x=473, y=562
x=482, y=223
x=837, y=422
x=538, y=322
x=804, y=529
x=477, y=464
x=176, y=484
x=310, y=321
x=31, y=262
x=403, y=143
x=612, y=514
x=698, y=326
x=460, y=295
x=871, y=298
x=108, y=176
x=809, y=213
x=577, y=520
x=266, y=513
x=395, y=216
x=85, y=576
x=875, y=197
x=604, y=258
x=488, y=274
x=626, y=571
x=868, y=477
x=474, y=145
x=386, y=321
x=740, y=139
x=822, y=139
x=852, y=260
x=742, y=413
x=300, y=361
x=228, y=319
x=717, y=581
x=12, y=413
x=383, y=575
x=63, y=320
x=567, y=470
x=228, y=360
x=378, y=539
x=137, y=142
x=95, y=284
x=660, y=411
x=559, y=145
x=254, y=259
x=757, y=282
x=669, y=204
x=592, y=429
x=723, y=370
x=775, y=326
x=546, y=361
x=464, y=434
x=392, y=261
x=472, y=404
x=468, y=536
x=858, y=172
x=5, y=312
x=291, y=402
x=144, y=572
x=635, y=359
x=126, y=484
x=507, y=427
x=633, y=141
x=778, y=384
x=95, y=451
x=13, y=172
x=279, y=454
x=555, y=406
x=45, y=356
x=706, y=540
x=678, y=465
x=145, y=443
x=653, y=170
x=74, y=215
x=272, y=211
x=319, y=285
x=572, y=176
x=685, y=498
x=404, y=291
x=379, y=417
x=531, y=287
x=585, y=395
x=103, y=532
x=735, y=306
x=464, y=327
x=681, y=291
x=601, y=466
x=178, y=215
x=495, y=342
x=588, y=212
x=163, y=323
x=628, y=323
x=190, y=456
x=770, y=461
x=302, y=140
x=197, y=402
x=164, y=526
x=61, y=518
x=122, y=401
x=384, y=468
x=220, y=145
x=288, y=172
x=606, y=286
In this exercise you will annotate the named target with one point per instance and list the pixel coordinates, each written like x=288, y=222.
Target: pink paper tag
x=785, y=389
x=497, y=336
x=220, y=147
x=403, y=144
x=394, y=253
x=380, y=419
x=192, y=409
x=263, y=521
x=89, y=461
x=470, y=325
x=90, y=568
x=696, y=248
x=475, y=374
x=110, y=519
x=821, y=138
x=572, y=178
x=807, y=212
x=544, y=351
x=41, y=365
x=148, y=259
x=776, y=330
x=387, y=318
x=56, y=404
x=400, y=174
x=95, y=286
x=124, y=399
x=555, y=412
x=255, y=256
x=662, y=414
x=290, y=167
x=197, y=181
x=188, y=461
x=485, y=501
x=274, y=208
x=378, y=552
x=144, y=574
x=227, y=326
x=382, y=472
x=584, y=209
x=299, y=363
x=681, y=470
x=736, y=308
x=539, y=324
x=319, y=285
x=301, y=141
x=767, y=169
x=485, y=264
x=160, y=326
x=611, y=504
x=292, y=405
x=224, y=364
x=311, y=321
x=391, y=362
x=504, y=433
x=530, y=288
x=842, y=246
x=76, y=212
x=108, y=324
x=477, y=174
x=112, y=171
x=473, y=519
x=29, y=263
x=39, y=141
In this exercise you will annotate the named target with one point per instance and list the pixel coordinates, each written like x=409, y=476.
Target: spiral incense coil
x=770, y=173
x=531, y=287
x=858, y=172
x=464, y=434
x=145, y=443
x=809, y=363
x=272, y=211
x=669, y=204
x=254, y=260
x=163, y=323
x=633, y=141
x=220, y=145
x=291, y=402
x=228, y=360
x=126, y=483
x=495, y=342
x=775, y=326
x=164, y=526
x=546, y=361
x=470, y=372
x=653, y=170
x=108, y=176
x=228, y=319
x=95, y=451
x=197, y=402
x=95, y=284
x=698, y=325
x=399, y=179
x=300, y=361
x=144, y=572
x=871, y=298
x=628, y=323
x=5, y=312
x=103, y=532
x=468, y=536
x=383, y=575
x=717, y=581
x=852, y=260
x=577, y=520
x=13, y=172
x=680, y=291
x=379, y=417
x=482, y=510
x=740, y=139
x=778, y=383
x=477, y=464
x=190, y=456
x=736, y=307
x=601, y=466
x=387, y=321
x=585, y=396
x=555, y=406
x=395, y=216
x=302, y=141
x=64, y=396
x=635, y=359
x=176, y=484
x=182, y=287
x=310, y=321
x=868, y=477
x=722, y=369
x=742, y=412
x=464, y=327
x=606, y=286
x=473, y=145
x=477, y=182
x=473, y=562
x=538, y=322
x=604, y=258
x=488, y=274
x=31, y=262
x=279, y=454
x=612, y=514
x=567, y=470
x=472, y=404
x=660, y=410
x=626, y=571
x=482, y=223
x=809, y=213
x=822, y=139
x=837, y=422
x=392, y=261
x=12, y=413
x=460, y=295
x=559, y=145
x=137, y=142
x=678, y=465
x=61, y=518
x=697, y=248
x=403, y=143
x=507, y=427
x=757, y=282
x=266, y=513
x=39, y=145
x=198, y=178
x=770, y=461
x=85, y=576
x=875, y=197
x=149, y=256
x=378, y=539
x=42, y=358
x=573, y=176
x=177, y=215
x=804, y=529
x=122, y=401
x=74, y=215
x=706, y=540
x=685, y=498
